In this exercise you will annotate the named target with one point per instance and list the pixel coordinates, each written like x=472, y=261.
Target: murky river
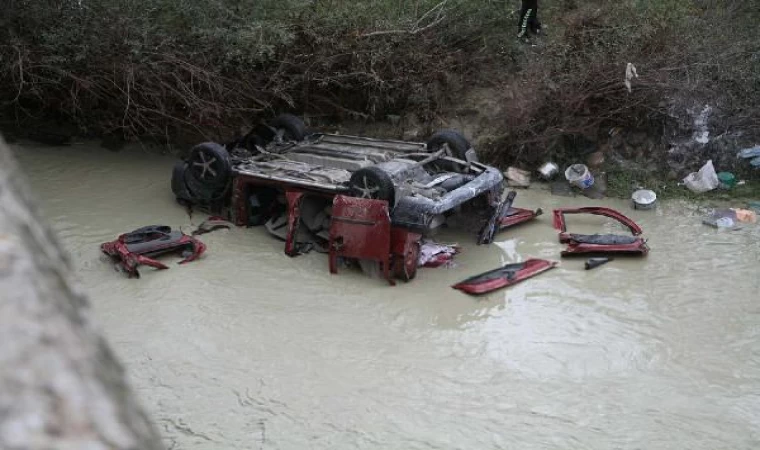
x=251, y=349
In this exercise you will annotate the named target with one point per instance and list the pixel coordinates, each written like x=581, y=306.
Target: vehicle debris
x=492, y=226
x=141, y=246
x=599, y=243
x=516, y=216
x=422, y=182
x=704, y=180
x=504, y=276
x=593, y=263
x=213, y=223
x=361, y=230
x=433, y=254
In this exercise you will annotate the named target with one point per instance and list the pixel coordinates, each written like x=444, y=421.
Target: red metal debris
x=361, y=229
x=141, y=245
x=504, y=276
x=516, y=216
x=599, y=243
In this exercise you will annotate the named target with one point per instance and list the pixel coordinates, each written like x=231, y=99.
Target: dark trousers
x=528, y=20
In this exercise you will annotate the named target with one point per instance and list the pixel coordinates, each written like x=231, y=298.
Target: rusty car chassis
x=281, y=176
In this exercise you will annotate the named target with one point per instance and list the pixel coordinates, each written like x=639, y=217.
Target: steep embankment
x=159, y=70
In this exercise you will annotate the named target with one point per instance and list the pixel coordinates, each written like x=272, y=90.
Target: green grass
x=621, y=184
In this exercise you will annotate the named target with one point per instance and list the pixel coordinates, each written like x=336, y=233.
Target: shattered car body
x=275, y=174
x=420, y=187
x=141, y=246
x=600, y=243
x=504, y=276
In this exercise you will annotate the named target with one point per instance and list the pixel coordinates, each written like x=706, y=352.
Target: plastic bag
x=704, y=180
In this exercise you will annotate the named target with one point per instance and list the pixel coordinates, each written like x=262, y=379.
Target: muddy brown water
x=251, y=349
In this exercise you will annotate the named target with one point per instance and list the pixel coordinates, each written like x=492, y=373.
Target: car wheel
x=203, y=192
x=457, y=144
x=179, y=183
x=209, y=165
x=294, y=129
x=372, y=182
x=405, y=266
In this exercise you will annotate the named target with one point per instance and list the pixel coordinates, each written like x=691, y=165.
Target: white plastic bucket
x=579, y=175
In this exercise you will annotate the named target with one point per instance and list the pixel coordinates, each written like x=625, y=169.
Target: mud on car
x=286, y=178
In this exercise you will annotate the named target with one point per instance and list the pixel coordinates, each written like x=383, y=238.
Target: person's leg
x=528, y=18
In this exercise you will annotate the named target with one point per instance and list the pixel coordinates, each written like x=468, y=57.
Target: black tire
x=458, y=144
x=179, y=183
x=209, y=164
x=294, y=127
x=372, y=182
x=203, y=192
x=405, y=266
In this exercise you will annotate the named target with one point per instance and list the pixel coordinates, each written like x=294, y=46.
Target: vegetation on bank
x=163, y=69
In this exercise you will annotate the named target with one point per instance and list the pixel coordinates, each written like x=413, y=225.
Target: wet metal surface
x=251, y=349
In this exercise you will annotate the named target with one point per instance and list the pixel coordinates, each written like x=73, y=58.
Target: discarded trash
x=630, y=74
x=436, y=255
x=593, y=263
x=579, y=175
x=548, y=171
x=747, y=153
x=703, y=181
x=504, y=276
x=727, y=180
x=517, y=177
x=139, y=247
x=599, y=243
x=721, y=218
x=644, y=199
x=745, y=215
x=213, y=223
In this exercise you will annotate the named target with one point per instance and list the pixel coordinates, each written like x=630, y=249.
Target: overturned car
x=278, y=172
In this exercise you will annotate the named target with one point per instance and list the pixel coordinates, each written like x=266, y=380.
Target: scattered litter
x=579, y=175
x=721, y=218
x=517, y=177
x=504, y=276
x=140, y=246
x=644, y=199
x=548, y=170
x=703, y=181
x=433, y=254
x=593, y=263
x=213, y=223
x=748, y=153
x=630, y=74
x=745, y=215
x=727, y=180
